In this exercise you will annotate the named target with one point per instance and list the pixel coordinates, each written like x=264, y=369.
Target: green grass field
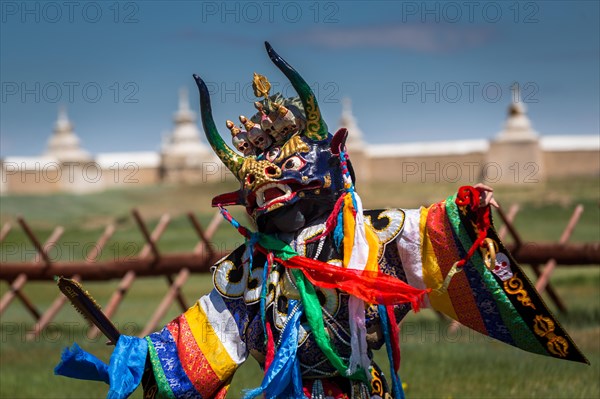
x=436, y=363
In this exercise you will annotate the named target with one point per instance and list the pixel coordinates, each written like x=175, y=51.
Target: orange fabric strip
x=192, y=359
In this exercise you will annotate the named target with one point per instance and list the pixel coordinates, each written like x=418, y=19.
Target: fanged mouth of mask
x=273, y=193
x=276, y=194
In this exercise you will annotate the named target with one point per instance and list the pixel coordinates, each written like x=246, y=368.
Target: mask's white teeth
x=260, y=193
x=260, y=197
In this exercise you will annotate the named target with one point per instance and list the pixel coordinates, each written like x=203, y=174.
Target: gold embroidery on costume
x=327, y=182
x=288, y=286
x=376, y=383
x=489, y=249
x=514, y=286
x=544, y=327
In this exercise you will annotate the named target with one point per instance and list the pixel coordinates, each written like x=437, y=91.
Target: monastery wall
x=463, y=168
x=572, y=163
x=518, y=154
x=572, y=156
x=468, y=168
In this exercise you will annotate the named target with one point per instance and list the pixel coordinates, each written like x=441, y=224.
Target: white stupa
x=516, y=150
x=64, y=144
x=355, y=140
x=517, y=126
x=184, y=141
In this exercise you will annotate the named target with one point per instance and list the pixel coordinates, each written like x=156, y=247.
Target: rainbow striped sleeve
x=501, y=303
x=196, y=354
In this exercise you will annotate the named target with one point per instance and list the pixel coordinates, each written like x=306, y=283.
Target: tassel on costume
x=392, y=349
x=359, y=254
x=356, y=256
x=270, y=347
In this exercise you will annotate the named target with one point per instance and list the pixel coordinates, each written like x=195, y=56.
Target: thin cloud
x=425, y=38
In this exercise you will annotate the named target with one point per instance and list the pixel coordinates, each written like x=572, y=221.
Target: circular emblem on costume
x=254, y=286
x=235, y=281
x=386, y=224
x=230, y=279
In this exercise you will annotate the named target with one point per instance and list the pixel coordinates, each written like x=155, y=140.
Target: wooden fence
x=177, y=267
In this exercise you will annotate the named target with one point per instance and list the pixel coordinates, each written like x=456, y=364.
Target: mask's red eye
x=294, y=163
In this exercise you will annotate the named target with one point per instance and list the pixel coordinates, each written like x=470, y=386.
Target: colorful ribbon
x=386, y=327
x=123, y=373
x=283, y=378
x=371, y=286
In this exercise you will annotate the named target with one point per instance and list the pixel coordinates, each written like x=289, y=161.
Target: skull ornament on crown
x=284, y=124
x=256, y=135
x=239, y=139
x=266, y=123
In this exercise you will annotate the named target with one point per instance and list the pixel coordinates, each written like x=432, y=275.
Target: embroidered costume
x=323, y=282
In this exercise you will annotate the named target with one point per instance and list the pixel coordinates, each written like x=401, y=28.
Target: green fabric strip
x=519, y=330
x=314, y=315
x=164, y=389
x=312, y=307
x=282, y=250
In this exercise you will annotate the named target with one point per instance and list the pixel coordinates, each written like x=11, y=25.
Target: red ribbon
x=469, y=197
x=370, y=286
x=270, y=347
x=331, y=220
x=395, y=336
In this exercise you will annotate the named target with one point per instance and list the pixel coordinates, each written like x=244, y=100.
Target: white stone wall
x=464, y=162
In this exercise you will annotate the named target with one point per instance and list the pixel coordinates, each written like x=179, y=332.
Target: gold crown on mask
x=274, y=123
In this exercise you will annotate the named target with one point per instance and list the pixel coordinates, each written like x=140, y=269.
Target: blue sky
x=416, y=71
